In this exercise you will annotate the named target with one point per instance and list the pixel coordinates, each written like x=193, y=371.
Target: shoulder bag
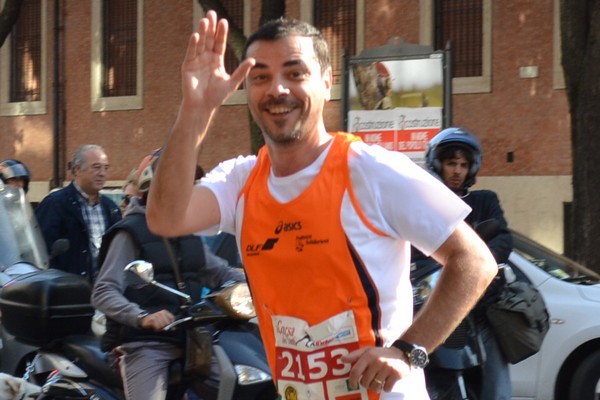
x=520, y=320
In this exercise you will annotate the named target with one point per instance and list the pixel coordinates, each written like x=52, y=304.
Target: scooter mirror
x=61, y=246
x=141, y=269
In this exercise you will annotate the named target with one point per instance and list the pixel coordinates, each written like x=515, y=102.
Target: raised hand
x=205, y=83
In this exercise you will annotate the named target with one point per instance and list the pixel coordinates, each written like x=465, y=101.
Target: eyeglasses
x=96, y=168
x=126, y=199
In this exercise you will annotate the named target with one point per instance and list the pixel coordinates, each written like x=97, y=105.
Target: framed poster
x=397, y=96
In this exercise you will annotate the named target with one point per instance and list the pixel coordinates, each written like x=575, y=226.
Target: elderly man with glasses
x=79, y=213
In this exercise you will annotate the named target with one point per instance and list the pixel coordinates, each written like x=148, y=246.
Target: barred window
x=337, y=22
x=461, y=23
x=119, y=48
x=235, y=11
x=26, y=54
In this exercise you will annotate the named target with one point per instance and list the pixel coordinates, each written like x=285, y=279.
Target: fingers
x=241, y=71
x=212, y=34
x=209, y=23
x=377, y=385
x=193, y=43
x=220, y=42
x=158, y=320
x=375, y=368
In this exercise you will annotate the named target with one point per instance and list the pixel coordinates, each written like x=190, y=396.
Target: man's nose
x=278, y=87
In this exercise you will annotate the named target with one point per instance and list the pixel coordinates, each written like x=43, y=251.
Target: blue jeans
x=495, y=375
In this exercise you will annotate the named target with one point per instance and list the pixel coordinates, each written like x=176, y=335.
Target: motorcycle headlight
x=236, y=300
x=247, y=375
x=422, y=289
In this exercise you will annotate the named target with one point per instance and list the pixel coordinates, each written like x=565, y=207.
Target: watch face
x=419, y=358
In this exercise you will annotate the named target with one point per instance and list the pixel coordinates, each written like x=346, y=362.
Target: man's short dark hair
x=456, y=150
x=284, y=27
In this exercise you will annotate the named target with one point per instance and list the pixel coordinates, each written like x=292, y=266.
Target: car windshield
x=555, y=264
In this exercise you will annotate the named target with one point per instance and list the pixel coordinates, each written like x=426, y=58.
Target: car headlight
x=236, y=300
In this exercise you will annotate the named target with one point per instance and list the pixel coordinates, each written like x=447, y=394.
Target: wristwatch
x=140, y=316
x=417, y=355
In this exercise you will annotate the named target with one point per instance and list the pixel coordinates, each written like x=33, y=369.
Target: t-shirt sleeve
x=402, y=199
x=226, y=181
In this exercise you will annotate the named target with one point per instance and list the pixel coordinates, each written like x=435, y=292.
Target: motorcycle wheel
x=585, y=384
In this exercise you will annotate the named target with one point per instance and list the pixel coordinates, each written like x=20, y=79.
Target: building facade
x=107, y=72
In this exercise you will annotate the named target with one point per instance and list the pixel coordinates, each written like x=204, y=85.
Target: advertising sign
x=395, y=98
x=407, y=130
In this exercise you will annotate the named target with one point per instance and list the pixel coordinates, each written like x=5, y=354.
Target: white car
x=568, y=364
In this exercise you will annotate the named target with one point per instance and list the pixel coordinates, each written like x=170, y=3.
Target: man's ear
x=328, y=82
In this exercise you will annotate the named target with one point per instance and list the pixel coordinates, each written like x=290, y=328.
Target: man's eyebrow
x=259, y=66
x=292, y=63
x=289, y=63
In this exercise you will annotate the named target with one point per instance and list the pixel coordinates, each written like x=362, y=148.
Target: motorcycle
x=46, y=324
x=236, y=341
x=463, y=351
x=22, y=250
x=50, y=310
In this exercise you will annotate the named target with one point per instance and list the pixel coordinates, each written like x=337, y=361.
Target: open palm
x=205, y=81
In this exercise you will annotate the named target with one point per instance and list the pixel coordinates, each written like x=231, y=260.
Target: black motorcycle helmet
x=15, y=169
x=459, y=137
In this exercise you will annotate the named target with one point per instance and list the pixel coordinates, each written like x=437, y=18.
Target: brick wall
x=527, y=118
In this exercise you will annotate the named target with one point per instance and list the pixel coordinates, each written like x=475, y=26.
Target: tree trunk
x=580, y=33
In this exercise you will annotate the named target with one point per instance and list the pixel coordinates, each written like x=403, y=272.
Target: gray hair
x=79, y=155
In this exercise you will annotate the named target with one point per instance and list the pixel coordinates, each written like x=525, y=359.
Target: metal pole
x=448, y=85
x=56, y=88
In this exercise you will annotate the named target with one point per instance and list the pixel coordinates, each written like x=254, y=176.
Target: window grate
x=119, y=48
x=337, y=22
x=26, y=54
x=461, y=23
x=235, y=11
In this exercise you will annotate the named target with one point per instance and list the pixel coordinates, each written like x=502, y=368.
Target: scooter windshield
x=21, y=240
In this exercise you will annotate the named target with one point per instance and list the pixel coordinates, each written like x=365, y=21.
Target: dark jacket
x=59, y=216
x=486, y=205
x=188, y=252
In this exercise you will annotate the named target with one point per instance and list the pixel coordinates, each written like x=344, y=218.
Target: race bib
x=309, y=364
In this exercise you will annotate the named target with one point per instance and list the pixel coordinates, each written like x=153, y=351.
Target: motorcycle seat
x=86, y=350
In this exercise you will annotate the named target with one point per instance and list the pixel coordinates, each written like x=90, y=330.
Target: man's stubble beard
x=286, y=138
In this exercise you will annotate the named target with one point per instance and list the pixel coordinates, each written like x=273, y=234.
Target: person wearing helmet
x=455, y=156
x=135, y=319
x=129, y=189
x=14, y=172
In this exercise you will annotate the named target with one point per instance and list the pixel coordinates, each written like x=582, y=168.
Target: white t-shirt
x=398, y=198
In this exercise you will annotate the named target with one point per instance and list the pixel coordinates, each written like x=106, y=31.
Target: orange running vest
x=314, y=298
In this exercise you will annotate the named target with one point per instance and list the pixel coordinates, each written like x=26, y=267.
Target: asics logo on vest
x=288, y=227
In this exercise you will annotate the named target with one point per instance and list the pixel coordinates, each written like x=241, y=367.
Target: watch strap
x=403, y=345
x=140, y=316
